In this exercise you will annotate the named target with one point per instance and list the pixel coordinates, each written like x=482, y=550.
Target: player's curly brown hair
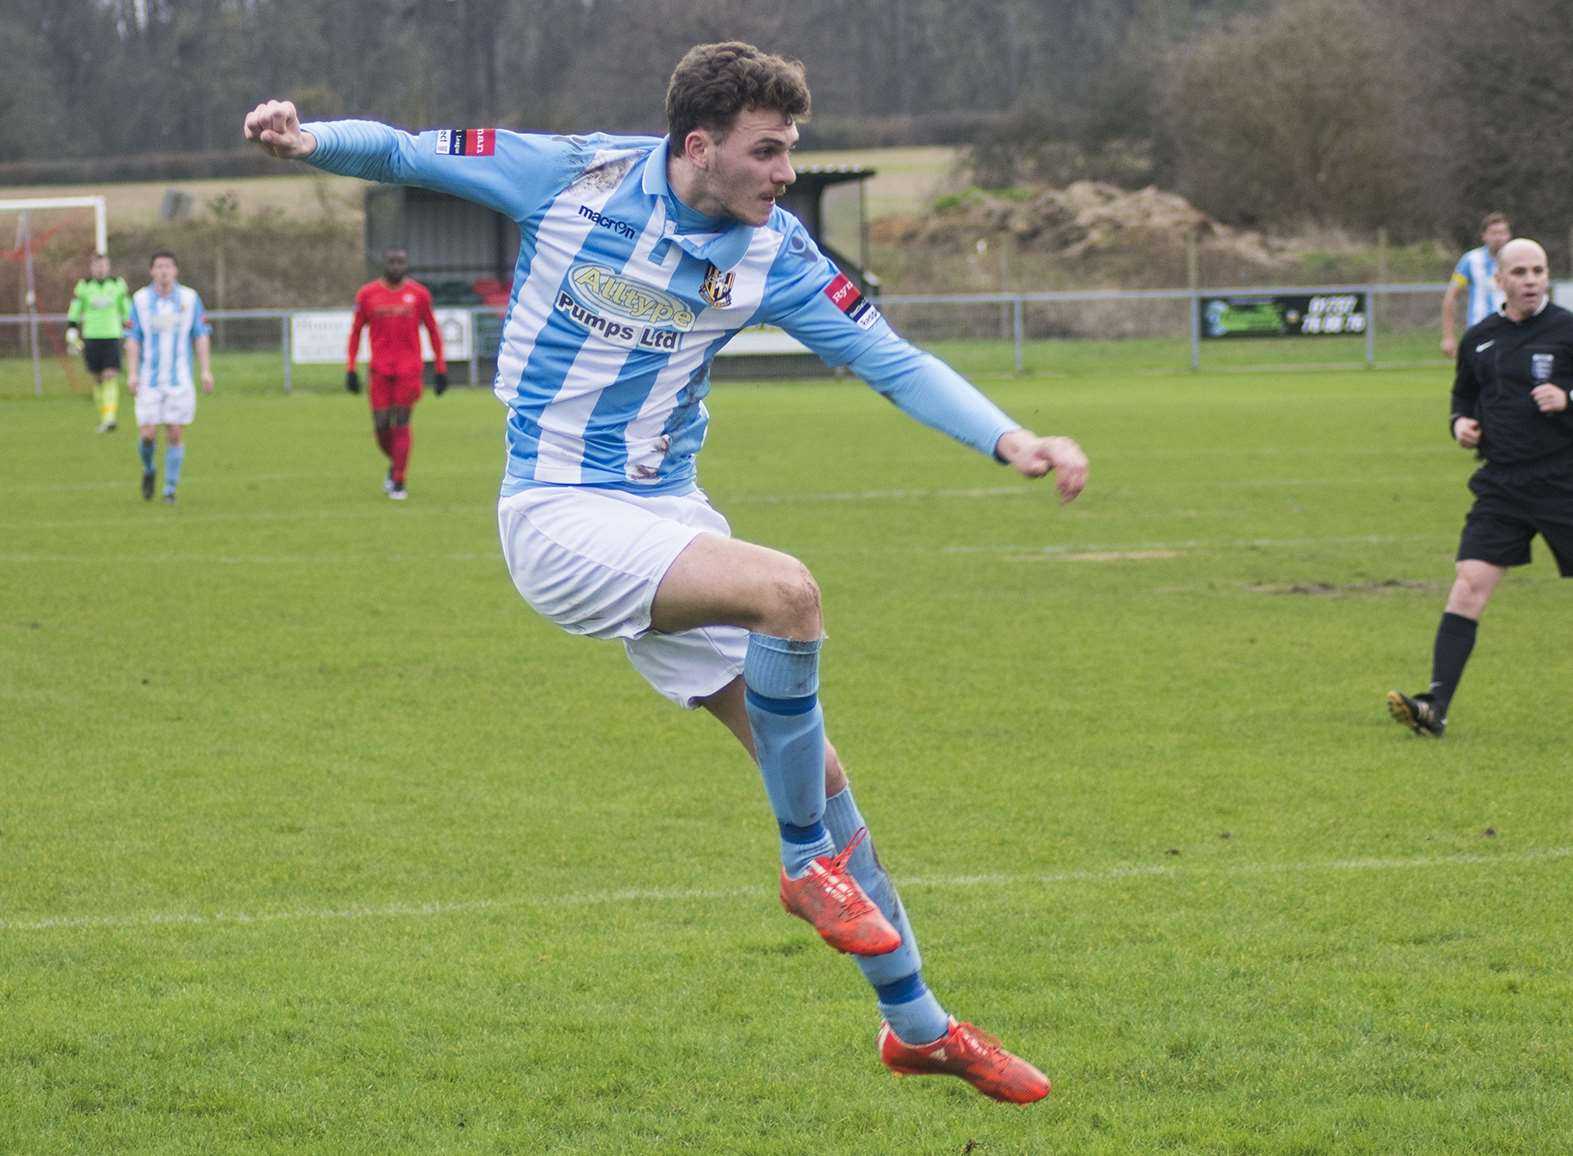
x=715, y=82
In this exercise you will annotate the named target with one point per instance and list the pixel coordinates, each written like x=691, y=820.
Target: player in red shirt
x=395, y=307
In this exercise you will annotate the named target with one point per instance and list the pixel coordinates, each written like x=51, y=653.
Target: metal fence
x=1011, y=320
x=1121, y=314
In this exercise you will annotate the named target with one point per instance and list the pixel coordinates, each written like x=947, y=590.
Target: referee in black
x=1510, y=405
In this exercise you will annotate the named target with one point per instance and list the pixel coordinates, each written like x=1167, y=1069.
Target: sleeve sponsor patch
x=844, y=296
x=466, y=142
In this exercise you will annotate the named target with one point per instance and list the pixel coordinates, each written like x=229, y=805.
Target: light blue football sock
x=145, y=450
x=912, y=1011
x=174, y=458
x=781, y=680
x=896, y=977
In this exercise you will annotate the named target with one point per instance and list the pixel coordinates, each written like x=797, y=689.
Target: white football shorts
x=590, y=560
x=166, y=406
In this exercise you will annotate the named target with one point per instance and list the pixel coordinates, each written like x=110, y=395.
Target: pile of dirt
x=1103, y=231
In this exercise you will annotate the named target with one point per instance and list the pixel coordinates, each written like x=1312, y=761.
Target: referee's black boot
x=1420, y=713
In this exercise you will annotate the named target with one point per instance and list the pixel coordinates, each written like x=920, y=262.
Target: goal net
x=45, y=243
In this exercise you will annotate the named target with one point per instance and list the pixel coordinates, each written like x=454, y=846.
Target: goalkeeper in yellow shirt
x=95, y=327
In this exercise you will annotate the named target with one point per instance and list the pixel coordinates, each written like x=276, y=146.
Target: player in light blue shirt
x=168, y=325
x=1476, y=276
x=640, y=257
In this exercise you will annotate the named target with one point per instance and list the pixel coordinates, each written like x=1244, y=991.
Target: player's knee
x=1471, y=591
x=793, y=609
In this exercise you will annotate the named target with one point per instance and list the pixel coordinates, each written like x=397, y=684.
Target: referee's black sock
x=1455, y=638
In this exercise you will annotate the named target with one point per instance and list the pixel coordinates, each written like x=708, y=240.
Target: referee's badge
x=1540, y=365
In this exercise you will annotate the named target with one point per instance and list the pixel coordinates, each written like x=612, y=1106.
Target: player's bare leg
x=1473, y=584
x=722, y=581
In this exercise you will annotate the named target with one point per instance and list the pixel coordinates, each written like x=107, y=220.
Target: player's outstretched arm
x=1032, y=456
x=275, y=126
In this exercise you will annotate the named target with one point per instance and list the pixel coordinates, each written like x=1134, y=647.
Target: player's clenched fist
x=275, y=126
x=1034, y=457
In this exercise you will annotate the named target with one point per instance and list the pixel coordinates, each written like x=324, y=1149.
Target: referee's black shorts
x=1512, y=505
x=101, y=353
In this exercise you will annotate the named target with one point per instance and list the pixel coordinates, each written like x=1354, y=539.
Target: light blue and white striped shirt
x=623, y=295
x=1477, y=272
x=165, y=327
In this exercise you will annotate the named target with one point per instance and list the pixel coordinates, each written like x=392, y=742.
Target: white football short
x=590, y=560
x=176, y=406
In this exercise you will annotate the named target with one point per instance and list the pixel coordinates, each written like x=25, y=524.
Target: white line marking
x=1021, y=491
x=139, y=519
x=1189, y=544
x=121, y=558
x=636, y=895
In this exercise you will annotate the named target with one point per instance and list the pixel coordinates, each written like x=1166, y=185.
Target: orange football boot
x=828, y=897
x=971, y=1054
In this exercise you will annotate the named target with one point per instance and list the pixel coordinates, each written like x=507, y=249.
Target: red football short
x=389, y=390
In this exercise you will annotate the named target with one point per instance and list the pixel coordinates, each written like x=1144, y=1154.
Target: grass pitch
x=313, y=839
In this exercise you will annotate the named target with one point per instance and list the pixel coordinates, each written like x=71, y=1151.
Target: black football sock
x=1455, y=638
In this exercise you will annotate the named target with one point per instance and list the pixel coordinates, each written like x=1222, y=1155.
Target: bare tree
x=1294, y=116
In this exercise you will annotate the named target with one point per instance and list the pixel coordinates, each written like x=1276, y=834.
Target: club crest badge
x=1540, y=366
x=717, y=287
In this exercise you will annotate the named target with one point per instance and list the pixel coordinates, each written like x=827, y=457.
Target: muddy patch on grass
x=1341, y=589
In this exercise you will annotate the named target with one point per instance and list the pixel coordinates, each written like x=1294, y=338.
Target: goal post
x=31, y=238
x=97, y=204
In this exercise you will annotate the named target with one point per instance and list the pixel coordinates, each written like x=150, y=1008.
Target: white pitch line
x=637, y=895
x=319, y=560
x=1189, y=544
x=1021, y=491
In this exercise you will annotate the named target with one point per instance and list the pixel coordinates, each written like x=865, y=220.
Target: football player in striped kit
x=1475, y=275
x=640, y=257
x=168, y=325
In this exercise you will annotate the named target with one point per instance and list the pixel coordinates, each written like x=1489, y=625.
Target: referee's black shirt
x=1499, y=362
